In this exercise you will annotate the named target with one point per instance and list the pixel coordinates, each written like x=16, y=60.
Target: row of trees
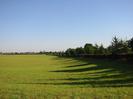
x=117, y=47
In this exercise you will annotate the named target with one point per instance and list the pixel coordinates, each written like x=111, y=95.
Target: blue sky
x=34, y=25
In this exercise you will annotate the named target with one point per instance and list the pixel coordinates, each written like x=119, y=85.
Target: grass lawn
x=51, y=77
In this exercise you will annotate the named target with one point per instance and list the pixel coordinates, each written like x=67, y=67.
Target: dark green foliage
x=42, y=52
x=130, y=43
x=118, y=49
x=96, y=49
x=70, y=52
x=79, y=50
x=101, y=50
x=119, y=46
x=89, y=49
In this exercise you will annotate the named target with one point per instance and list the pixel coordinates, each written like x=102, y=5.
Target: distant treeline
x=18, y=53
x=118, y=48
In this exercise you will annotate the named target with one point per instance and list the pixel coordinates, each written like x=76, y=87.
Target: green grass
x=51, y=77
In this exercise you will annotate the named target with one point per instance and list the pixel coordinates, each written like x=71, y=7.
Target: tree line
x=117, y=48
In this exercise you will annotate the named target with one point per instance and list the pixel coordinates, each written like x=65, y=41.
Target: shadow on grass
x=97, y=73
x=78, y=65
x=89, y=68
x=91, y=83
x=107, y=76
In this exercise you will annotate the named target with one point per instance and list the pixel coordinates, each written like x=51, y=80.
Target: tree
x=42, y=52
x=96, y=49
x=124, y=47
x=118, y=46
x=70, y=52
x=101, y=49
x=79, y=51
x=130, y=43
x=89, y=49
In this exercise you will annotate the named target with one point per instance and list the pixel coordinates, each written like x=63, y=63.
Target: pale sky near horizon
x=55, y=25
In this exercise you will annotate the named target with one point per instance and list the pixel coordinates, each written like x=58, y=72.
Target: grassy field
x=51, y=77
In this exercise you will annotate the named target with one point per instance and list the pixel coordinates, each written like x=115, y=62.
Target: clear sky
x=34, y=25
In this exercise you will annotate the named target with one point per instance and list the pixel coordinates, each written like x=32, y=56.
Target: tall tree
x=96, y=49
x=101, y=49
x=118, y=46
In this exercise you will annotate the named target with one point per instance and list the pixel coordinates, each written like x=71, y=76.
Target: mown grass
x=51, y=77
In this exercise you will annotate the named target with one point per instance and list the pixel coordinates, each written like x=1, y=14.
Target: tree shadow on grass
x=107, y=76
x=86, y=67
x=84, y=64
x=97, y=73
x=90, y=83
